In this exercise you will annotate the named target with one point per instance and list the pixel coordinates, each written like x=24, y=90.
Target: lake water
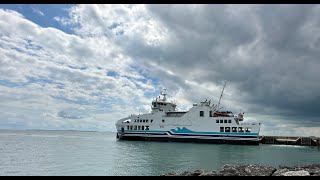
x=74, y=153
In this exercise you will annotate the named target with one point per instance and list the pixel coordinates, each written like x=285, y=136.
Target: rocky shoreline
x=254, y=170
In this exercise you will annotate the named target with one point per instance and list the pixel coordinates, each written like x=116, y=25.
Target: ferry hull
x=186, y=139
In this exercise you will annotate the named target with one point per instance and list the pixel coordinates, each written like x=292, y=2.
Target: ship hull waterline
x=189, y=140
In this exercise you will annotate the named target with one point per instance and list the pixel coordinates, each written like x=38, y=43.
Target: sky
x=83, y=67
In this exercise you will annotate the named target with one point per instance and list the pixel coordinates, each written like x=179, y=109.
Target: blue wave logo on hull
x=183, y=130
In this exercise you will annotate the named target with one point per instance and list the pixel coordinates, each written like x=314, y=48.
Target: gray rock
x=255, y=170
x=185, y=173
x=259, y=170
x=315, y=174
x=230, y=170
x=280, y=171
x=247, y=170
x=197, y=172
x=311, y=168
x=296, y=173
x=212, y=173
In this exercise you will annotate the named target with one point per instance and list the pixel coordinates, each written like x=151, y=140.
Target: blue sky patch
x=112, y=73
x=43, y=14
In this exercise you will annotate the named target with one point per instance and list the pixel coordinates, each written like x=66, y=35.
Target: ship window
x=165, y=104
x=248, y=129
x=135, y=127
x=221, y=121
x=234, y=129
x=225, y=121
x=210, y=113
x=151, y=120
x=201, y=113
x=127, y=127
x=221, y=129
x=140, y=120
x=144, y=120
x=217, y=120
x=240, y=129
x=163, y=120
x=142, y=127
x=147, y=128
x=138, y=127
x=130, y=127
x=229, y=121
x=227, y=129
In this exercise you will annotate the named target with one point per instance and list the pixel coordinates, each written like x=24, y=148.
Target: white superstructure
x=201, y=123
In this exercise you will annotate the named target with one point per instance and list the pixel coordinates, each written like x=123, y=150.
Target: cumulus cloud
x=59, y=68
x=268, y=54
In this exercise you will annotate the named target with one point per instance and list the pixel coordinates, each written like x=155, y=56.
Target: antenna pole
x=221, y=94
x=164, y=94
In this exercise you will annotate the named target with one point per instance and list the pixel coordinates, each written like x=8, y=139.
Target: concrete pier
x=290, y=140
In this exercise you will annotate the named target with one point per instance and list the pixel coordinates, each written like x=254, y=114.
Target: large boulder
x=246, y=170
x=259, y=170
x=313, y=169
x=279, y=172
x=296, y=173
x=197, y=172
x=211, y=173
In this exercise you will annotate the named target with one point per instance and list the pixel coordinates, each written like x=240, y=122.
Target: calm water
x=97, y=153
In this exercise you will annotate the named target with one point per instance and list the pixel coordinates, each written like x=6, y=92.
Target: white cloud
x=50, y=64
x=189, y=49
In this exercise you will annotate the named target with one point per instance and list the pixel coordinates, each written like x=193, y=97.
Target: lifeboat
x=223, y=114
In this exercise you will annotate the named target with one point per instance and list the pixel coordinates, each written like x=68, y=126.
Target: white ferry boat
x=201, y=123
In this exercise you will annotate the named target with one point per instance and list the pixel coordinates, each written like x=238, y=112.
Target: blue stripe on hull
x=168, y=139
x=203, y=135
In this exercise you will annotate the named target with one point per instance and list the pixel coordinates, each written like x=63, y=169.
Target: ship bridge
x=160, y=104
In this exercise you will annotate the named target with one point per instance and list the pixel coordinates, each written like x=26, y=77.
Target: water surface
x=99, y=153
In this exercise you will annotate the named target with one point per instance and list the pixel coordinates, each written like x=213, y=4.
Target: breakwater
x=254, y=170
x=290, y=140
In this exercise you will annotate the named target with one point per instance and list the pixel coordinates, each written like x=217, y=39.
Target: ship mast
x=221, y=94
x=164, y=94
